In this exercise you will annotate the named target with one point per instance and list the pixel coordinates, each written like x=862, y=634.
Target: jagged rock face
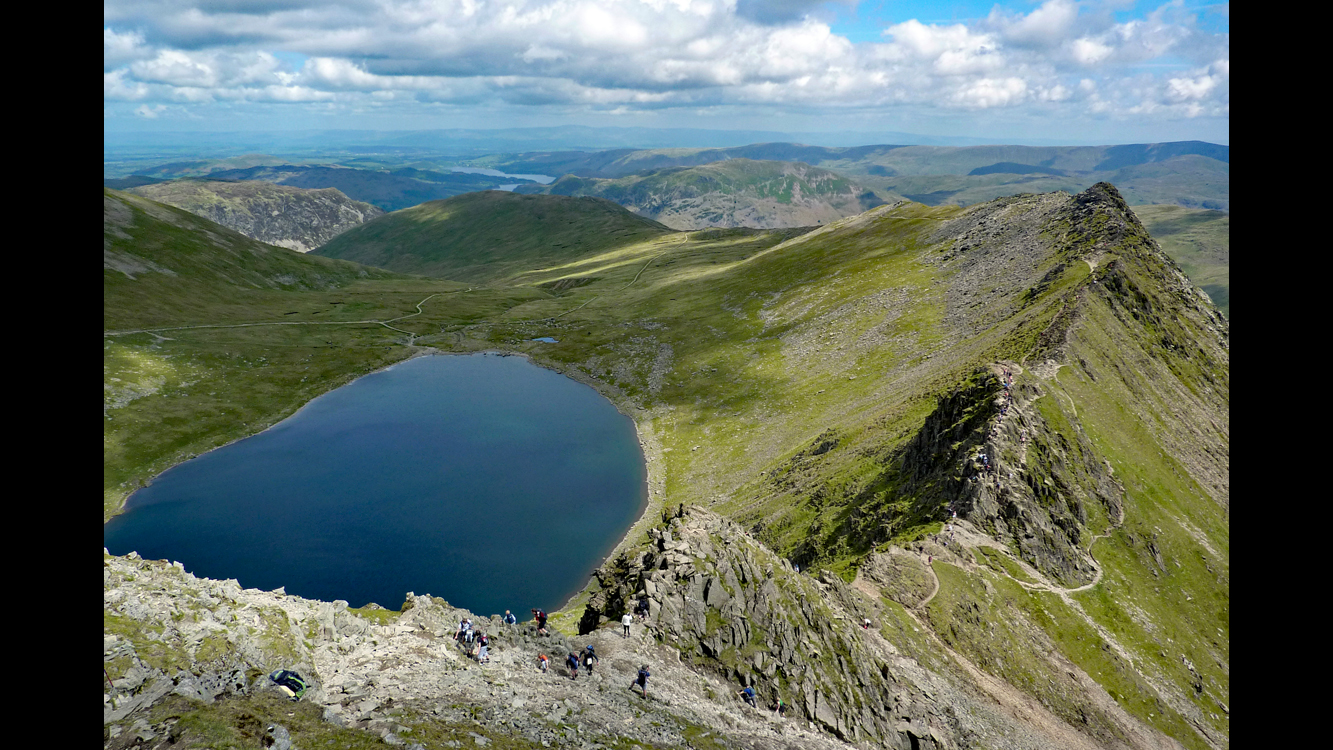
x=295, y=218
x=732, y=606
x=1031, y=488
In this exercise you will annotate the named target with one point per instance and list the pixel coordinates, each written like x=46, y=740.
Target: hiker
x=865, y=624
x=589, y=658
x=781, y=708
x=748, y=694
x=289, y=682
x=642, y=608
x=573, y=661
x=625, y=622
x=509, y=618
x=483, y=648
x=464, y=634
x=540, y=617
x=543, y=663
x=642, y=680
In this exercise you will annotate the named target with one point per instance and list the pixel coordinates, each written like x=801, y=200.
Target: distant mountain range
x=389, y=190
x=731, y=193
x=1189, y=173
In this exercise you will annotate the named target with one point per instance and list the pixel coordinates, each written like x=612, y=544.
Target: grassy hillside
x=736, y=192
x=1200, y=241
x=831, y=390
x=166, y=266
x=487, y=236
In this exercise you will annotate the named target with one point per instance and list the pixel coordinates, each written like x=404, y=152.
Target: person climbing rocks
x=865, y=624
x=543, y=663
x=464, y=634
x=781, y=708
x=540, y=617
x=483, y=648
x=747, y=693
x=642, y=680
x=589, y=658
x=625, y=622
x=509, y=618
x=573, y=661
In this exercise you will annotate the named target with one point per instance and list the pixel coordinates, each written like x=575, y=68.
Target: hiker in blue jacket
x=642, y=680
x=748, y=694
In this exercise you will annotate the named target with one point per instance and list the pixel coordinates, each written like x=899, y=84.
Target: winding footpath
x=384, y=323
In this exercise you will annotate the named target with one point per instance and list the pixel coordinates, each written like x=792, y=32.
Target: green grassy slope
x=1200, y=241
x=165, y=266
x=486, y=236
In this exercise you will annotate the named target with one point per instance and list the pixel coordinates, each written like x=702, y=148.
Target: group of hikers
x=476, y=643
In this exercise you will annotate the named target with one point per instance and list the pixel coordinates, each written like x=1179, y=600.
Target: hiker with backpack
x=642, y=680
x=543, y=663
x=509, y=618
x=483, y=648
x=540, y=617
x=748, y=694
x=573, y=661
x=589, y=658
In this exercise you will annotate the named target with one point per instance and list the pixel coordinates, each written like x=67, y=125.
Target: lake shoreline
x=653, y=492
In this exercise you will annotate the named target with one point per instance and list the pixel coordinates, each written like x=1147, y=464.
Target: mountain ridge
x=845, y=382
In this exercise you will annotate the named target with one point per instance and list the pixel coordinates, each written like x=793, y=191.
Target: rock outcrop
x=296, y=218
x=734, y=609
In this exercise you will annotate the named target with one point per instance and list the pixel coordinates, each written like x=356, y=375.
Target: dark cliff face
x=295, y=218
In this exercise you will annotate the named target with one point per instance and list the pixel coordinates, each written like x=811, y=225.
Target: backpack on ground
x=291, y=681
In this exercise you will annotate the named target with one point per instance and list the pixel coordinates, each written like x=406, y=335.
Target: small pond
x=483, y=479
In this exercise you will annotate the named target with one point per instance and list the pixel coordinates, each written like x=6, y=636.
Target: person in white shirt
x=625, y=621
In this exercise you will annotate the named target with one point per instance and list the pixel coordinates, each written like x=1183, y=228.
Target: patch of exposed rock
x=296, y=218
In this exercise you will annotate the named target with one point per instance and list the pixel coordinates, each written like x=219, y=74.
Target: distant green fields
x=1200, y=241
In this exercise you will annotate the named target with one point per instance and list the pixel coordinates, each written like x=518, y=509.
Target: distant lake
x=482, y=479
x=543, y=179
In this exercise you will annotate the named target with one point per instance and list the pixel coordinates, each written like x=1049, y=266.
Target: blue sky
x=1058, y=70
